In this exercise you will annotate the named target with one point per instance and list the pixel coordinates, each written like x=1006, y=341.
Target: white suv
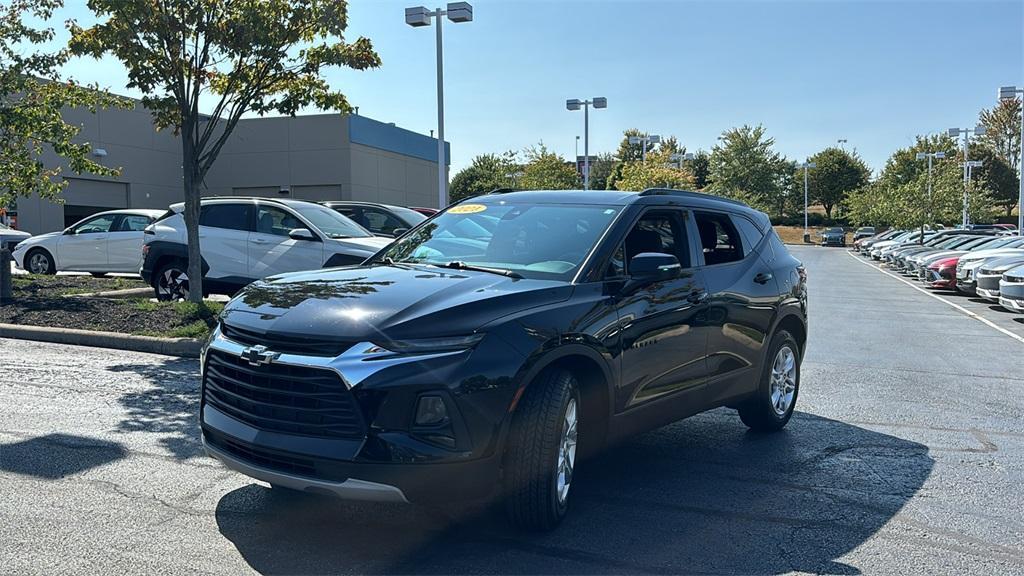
x=245, y=239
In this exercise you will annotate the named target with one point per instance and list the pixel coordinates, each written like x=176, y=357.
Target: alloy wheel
x=173, y=284
x=39, y=263
x=783, y=384
x=567, y=451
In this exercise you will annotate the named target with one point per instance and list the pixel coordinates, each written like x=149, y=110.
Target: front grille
x=286, y=344
x=262, y=458
x=278, y=397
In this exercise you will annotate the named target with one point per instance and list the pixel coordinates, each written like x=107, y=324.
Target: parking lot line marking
x=970, y=314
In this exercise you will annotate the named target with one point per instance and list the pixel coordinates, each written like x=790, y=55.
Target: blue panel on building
x=369, y=132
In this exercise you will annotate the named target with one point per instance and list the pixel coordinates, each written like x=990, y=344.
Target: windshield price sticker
x=467, y=209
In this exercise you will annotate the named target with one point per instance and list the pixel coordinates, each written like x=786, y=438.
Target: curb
x=126, y=293
x=184, y=347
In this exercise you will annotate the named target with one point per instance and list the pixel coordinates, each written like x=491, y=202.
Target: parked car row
x=979, y=261
x=243, y=239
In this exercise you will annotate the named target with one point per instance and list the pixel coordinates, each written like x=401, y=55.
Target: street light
x=978, y=130
x=969, y=165
x=805, y=166
x=681, y=158
x=1010, y=93
x=574, y=104
x=842, y=142
x=930, y=156
x=644, y=140
x=417, y=17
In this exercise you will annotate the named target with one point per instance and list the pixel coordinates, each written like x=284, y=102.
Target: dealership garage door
x=86, y=197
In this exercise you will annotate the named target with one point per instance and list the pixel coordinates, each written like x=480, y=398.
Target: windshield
x=534, y=240
x=411, y=217
x=329, y=222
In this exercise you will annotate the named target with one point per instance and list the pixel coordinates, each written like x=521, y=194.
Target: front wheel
x=772, y=405
x=541, y=456
x=39, y=261
x=171, y=282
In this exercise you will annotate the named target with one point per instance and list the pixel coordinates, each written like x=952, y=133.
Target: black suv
x=487, y=349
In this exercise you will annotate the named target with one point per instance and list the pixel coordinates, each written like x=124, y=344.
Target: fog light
x=431, y=411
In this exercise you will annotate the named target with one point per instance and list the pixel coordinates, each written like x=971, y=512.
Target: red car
x=942, y=273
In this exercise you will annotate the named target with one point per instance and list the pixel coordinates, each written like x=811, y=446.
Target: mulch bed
x=43, y=301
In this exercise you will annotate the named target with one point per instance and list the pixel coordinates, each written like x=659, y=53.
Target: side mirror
x=69, y=231
x=399, y=231
x=301, y=234
x=648, y=267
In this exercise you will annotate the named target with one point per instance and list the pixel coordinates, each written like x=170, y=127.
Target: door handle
x=763, y=277
x=258, y=241
x=698, y=296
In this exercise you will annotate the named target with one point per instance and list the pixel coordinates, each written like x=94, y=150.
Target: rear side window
x=133, y=223
x=750, y=234
x=720, y=241
x=227, y=216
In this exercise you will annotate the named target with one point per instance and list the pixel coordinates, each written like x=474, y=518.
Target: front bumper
x=383, y=456
x=1011, y=295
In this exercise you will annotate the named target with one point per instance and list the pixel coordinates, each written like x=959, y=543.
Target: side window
x=228, y=216
x=133, y=223
x=720, y=241
x=750, y=234
x=655, y=232
x=271, y=220
x=96, y=225
x=381, y=222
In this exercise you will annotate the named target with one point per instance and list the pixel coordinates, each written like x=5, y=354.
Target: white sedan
x=105, y=242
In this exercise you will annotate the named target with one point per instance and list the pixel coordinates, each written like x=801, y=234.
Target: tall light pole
x=420, y=16
x=930, y=156
x=842, y=143
x=806, y=166
x=681, y=158
x=1010, y=93
x=970, y=164
x=576, y=158
x=644, y=140
x=978, y=130
x=574, y=104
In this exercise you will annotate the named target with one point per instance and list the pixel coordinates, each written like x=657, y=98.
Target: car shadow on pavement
x=55, y=456
x=169, y=409
x=702, y=495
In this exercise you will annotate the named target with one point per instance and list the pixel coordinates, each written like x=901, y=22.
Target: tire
x=768, y=410
x=541, y=455
x=171, y=281
x=40, y=261
x=98, y=274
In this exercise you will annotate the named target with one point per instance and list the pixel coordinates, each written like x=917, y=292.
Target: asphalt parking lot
x=906, y=456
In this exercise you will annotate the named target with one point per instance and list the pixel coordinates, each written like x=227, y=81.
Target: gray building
x=314, y=157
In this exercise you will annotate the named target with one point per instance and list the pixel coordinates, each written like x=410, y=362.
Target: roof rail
x=689, y=194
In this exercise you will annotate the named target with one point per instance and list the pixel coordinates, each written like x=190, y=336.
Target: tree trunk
x=192, y=182
x=828, y=210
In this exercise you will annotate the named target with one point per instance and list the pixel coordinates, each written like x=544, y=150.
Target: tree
x=629, y=152
x=836, y=174
x=995, y=176
x=657, y=172
x=899, y=197
x=745, y=167
x=701, y=166
x=545, y=170
x=487, y=172
x=244, y=57
x=1002, y=130
x=32, y=98
x=601, y=170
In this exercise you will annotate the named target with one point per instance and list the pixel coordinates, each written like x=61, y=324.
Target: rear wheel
x=772, y=405
x=541, y=457
x=171, y=282
x=39, y=261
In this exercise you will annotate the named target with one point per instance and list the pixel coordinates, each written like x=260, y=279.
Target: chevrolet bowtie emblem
x=258, y=355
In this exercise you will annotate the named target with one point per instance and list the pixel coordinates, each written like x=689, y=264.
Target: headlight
x=419, y=346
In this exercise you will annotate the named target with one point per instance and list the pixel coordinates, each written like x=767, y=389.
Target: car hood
x=40, y=238
x=1003, y=264
x=981, y=255
x=370, y=244
x=929, y=258
x=11, y=235
x=374, y=303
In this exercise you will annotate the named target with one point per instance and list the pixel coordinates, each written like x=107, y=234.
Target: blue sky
x=875, y=73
